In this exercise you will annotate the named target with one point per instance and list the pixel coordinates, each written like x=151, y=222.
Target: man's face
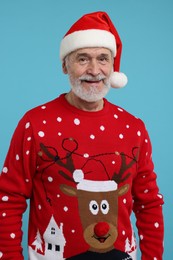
x=89, y=71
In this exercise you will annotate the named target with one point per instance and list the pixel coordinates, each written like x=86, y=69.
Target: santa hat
x=92, y=185
x=95, y=30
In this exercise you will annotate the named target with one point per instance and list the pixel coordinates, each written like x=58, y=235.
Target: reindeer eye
x=94, y=207
x=104, y=207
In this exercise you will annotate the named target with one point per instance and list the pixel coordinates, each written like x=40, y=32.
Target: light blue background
x=30, y=71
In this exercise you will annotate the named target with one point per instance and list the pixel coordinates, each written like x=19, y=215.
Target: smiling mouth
x=92, y=81
x=102, y=239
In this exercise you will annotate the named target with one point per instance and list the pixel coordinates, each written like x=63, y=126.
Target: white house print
x=54, y=241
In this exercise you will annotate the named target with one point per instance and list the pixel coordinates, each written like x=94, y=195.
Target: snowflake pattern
x=101, y=131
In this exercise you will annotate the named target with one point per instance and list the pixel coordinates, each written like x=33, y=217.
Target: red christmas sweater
x=84, y=173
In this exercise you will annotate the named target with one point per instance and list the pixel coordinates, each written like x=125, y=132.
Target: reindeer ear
x=68, y=190
x=123, y=190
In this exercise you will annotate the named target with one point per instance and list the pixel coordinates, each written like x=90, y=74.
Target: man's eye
x=83, y=60
x=103, y=60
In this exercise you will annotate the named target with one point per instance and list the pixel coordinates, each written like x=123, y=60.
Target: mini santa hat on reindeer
x=93, y=185
x=96, y=30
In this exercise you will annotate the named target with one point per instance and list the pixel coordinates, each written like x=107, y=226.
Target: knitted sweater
x=84, y=173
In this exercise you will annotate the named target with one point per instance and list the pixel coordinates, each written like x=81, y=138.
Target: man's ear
x=64, y=67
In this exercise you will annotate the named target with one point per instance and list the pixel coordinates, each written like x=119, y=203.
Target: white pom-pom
x=78, y=175
x=118, y=80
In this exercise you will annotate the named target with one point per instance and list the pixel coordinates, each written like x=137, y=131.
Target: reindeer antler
x=65, y=162
x=118, y=177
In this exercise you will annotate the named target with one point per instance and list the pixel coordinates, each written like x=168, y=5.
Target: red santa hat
x=95, y=30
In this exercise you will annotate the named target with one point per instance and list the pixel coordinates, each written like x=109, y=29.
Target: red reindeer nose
x=101, y=229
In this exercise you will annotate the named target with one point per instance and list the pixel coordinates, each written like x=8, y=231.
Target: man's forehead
x=92, y=51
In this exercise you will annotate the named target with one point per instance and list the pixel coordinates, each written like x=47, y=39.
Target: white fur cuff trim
x=86, y=39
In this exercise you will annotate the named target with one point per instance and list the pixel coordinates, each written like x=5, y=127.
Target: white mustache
x=91, y=78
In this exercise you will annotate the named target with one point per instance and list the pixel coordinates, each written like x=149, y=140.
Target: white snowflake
x=141, y=237
x=41, y=133
x=5, y=198
x=43, y=107
x=17, y=157
x=92, y=137
x=160, y=196
x=59, y=119
x=115, y=116
x=146, y=191
x=27, y=125
x=76, y=121
x=120, y=109
x=65, y=209
x=29, y=138
x=139, y=133
x=5, y=170
x=121, y=136
x=12, y=235
x=156, y=224
x=50, y=179
x=124, y=201
x=102, y=128
x=1, y=254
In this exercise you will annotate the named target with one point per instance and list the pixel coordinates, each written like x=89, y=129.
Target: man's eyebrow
x=82, y=54
x=88, y=55
x=103, y=55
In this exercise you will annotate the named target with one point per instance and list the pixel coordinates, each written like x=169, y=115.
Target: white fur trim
x=118, y=80
x=86, y=39
x=97, y=186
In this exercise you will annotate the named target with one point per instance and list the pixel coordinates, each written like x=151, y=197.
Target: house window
x=57, y=248
x=49, y=246
x=52, y=231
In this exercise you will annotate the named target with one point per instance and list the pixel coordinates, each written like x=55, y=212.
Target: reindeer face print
x=98, y=213
x=100, y=226
x=97, y=195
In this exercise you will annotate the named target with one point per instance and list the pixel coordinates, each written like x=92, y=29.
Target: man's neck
x=82, y=104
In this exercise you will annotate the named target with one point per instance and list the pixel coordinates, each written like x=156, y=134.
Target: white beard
x=92, y=93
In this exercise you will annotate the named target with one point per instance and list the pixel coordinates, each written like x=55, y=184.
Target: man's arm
x=148, y=205
x=15, y=188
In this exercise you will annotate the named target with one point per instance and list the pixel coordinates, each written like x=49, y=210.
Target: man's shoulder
x=123, y=114
x=47, y=106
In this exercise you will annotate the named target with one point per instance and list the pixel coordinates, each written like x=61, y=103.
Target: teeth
x=94, y=81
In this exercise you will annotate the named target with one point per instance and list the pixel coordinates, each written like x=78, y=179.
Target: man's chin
x=89, y=96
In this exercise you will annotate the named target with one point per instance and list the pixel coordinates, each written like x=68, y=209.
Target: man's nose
x=93, y=68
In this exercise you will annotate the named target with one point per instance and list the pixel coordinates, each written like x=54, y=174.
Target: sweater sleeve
x=15, y=189
x=148, y=204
